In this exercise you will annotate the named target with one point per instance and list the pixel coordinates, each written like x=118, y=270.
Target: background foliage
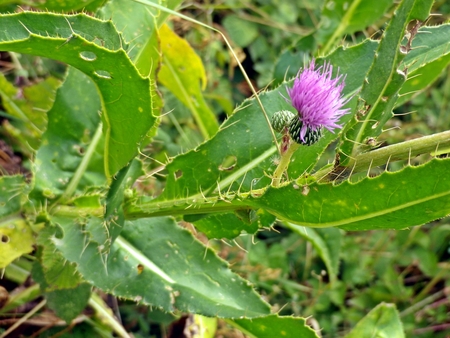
x=136, y=194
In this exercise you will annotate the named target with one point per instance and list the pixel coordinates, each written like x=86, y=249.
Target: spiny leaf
x=97, y=49
x=381, y=87
x=156, y=254
x=412, y=196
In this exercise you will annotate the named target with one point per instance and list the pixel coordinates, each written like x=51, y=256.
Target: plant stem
x=285, y=160
x=419, y=305
x=72, y=186
x=105, y=315
x=435, y=143
x=23, y=319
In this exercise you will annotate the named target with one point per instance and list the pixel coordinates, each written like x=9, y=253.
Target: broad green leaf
x=68, y=303
x=185, y=77
x=340, y=17
x=96, y=48
x=422, y=78
x=26, y=108
x=429, y=56
x=382, y=322
x=70, y=158
x=428, y=45
x=412, y=196
x=137, y=23
x=67, y=5
x=155, y=254
x=274, y=326
x=327, y=242
x=16, y=239
x=57, y=272
x=381, y=86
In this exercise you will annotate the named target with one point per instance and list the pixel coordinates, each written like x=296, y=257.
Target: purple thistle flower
x=318, y=100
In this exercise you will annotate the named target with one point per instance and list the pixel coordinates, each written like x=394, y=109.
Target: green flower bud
x=280, y=120
x=311, y=136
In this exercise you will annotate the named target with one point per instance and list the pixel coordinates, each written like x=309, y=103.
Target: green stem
x=71, y=187
x=285, y=160
x=396, y=152
x=105, y=315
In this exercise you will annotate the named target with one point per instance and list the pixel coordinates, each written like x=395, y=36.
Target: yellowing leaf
x=16, y=239
x=183, y=74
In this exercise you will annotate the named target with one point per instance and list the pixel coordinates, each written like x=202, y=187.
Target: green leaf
x=58, y=273
x=422, y=78
x=226, y=226
x=95, y=48
x=340, y=17
x=274, y=326
x=428, y=45
x=421, y=10
x=155, y=254
x=241, y=31
x=382, y=321
x=26, y=108
x=428, y=57
x=412, y=196
x=70, y=159
x=381, y=86
x=185, y=77
x=66, y=5
x=68, y=303
x=11, y=189
x=327, y=242
x=138, y=25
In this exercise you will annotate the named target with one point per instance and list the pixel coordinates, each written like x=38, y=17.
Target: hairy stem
x=435, y=143
x=284, y=163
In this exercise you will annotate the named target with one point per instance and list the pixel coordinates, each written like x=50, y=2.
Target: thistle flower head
x=318, y=99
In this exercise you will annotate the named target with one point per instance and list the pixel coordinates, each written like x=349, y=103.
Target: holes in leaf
x=228, y=163
x=178, y=174
x=79, y=149
x=4, y=239
x=103, y=74
x=88, y=56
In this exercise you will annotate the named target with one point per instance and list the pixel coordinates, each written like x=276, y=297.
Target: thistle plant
x=317, y=97
x=318, y=100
